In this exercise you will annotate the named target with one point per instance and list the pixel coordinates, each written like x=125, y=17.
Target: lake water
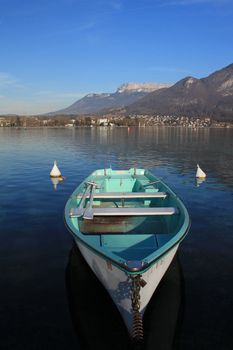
x=49, y=299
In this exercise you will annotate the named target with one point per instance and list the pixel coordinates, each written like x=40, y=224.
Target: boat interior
x=131, y=216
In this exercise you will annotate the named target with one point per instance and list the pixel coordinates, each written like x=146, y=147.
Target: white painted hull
x=118, y=283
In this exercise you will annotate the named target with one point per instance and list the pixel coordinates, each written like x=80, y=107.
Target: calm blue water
x=38, y=260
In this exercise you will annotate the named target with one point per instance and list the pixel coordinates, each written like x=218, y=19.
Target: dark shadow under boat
x=97, y=321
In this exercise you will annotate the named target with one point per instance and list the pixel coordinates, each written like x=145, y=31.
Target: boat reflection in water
x=97, y=321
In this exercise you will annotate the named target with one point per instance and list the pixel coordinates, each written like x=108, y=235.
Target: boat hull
x=118, y=282
x=128, y=225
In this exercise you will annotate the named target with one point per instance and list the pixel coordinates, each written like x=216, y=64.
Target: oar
x=80, y=209
x=88, y=213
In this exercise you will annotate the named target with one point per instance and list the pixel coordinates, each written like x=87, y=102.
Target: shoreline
x=216, y=126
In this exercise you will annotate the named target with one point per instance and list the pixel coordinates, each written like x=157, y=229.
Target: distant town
x=111, y=120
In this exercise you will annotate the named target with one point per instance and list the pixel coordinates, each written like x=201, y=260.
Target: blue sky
x=53, y=52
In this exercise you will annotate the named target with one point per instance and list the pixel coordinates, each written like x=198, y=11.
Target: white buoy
x=55, y=172
x=200, y=173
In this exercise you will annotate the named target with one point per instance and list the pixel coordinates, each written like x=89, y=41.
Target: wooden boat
x=128, y=225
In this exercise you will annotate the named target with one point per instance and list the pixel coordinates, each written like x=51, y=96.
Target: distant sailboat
x=200, y=173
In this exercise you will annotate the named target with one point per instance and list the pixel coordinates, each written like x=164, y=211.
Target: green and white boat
x=128, y=225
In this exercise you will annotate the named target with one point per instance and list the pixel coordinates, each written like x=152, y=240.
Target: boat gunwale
x=123, y=266
x=150, y=260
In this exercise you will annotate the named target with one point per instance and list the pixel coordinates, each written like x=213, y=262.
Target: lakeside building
x=112, y=120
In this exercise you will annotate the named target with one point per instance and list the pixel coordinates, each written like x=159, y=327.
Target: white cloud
x=82, y=27
x=19, y=98
x=6, y=79
x=86, y=26
x=38, y=102
x=116, y=5
x=9, y=83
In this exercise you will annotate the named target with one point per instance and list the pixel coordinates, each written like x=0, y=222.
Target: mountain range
x=211, y=96
x=125, y=95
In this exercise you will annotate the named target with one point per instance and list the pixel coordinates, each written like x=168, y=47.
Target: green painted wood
x=130, y=210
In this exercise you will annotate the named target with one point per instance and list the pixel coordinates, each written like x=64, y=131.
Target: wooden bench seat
x=127, y=195
x=124, y=212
